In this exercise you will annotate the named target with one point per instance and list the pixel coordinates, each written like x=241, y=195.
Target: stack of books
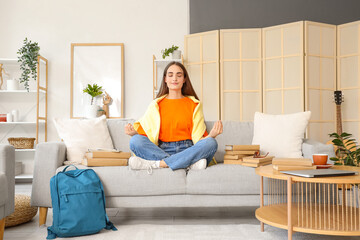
x=97, y=158
x=234, y=154
x=284, y=164
x=257, y=161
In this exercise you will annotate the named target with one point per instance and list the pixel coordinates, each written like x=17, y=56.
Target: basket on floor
x=22, y=143
x=23, y=211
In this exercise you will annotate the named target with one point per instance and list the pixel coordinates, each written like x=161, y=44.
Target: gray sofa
x=216, y=186
x=7, y=183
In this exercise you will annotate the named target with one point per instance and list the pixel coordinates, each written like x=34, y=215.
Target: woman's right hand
x=130, y=130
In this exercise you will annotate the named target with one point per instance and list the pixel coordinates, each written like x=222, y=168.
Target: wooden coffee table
x=314, y=205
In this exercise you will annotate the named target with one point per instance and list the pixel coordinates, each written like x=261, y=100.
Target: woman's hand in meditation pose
x=130, y=130
x=216, y=130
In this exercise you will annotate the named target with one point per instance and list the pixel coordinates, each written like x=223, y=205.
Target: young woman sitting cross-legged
x=172, y=132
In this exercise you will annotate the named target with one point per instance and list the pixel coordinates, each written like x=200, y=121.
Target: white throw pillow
x=81, y=134
x=280, y=135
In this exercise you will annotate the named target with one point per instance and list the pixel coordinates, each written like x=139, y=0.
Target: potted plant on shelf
x=91, y=111
x=176, y=54
x=28, y=58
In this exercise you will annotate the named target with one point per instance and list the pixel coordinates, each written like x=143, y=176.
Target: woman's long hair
x=186, y=90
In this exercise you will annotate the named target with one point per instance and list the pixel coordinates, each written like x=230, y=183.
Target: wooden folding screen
x=283, y=75
x=240, y=74
x=348, y=78
x=202, y=63
x=320, y=79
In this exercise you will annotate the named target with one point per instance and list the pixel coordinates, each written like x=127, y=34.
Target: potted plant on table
x=176, y=54
x=28, y=59
x=91, y=111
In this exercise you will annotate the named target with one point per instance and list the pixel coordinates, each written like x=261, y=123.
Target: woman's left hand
x=216, y=130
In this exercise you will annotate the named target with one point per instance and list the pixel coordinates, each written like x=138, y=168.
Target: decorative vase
x=176, y=54
x=12, y=84
x=91, y=111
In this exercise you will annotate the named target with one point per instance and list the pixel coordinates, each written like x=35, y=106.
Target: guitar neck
x=338, y=119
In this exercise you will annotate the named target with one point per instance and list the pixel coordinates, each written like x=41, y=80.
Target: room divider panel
x=202, y=63
x=348, y=79
x=320, y=78
x=283, y=75
x=240, y=74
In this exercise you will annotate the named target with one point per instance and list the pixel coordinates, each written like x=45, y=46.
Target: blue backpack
x=78, y=204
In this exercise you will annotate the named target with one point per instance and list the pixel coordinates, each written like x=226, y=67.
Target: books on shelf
x=105, y=157
x=289, y=167
x=242, y=147
x=293, y=161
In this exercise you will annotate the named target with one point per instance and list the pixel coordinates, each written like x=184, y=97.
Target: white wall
x=145, y=27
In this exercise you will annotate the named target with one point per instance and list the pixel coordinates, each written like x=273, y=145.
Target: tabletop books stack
x=252, y=161
x=97, y=158
x=284, y=164
x=234, y=154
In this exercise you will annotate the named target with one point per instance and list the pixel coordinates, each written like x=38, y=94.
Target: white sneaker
x=137, y=163
x=201, y=164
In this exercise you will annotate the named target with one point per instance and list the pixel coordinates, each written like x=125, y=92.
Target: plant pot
x=12, y=84
x=91, y=111
x=176, y=54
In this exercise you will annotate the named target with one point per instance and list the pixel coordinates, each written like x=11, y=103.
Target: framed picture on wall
x=101, y=64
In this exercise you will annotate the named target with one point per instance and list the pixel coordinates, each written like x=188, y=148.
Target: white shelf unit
x=32, y=106
x=158, y=68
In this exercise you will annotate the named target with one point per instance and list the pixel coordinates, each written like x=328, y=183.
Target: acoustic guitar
x=339, y=99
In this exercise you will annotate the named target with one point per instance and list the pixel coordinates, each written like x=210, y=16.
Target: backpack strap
x=68, y=167
x=51, y=234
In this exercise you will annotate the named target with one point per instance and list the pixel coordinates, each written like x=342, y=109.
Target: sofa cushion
x=122, y=181
x=280, y=135
x=234, y=133
x=223, y=179
x=117, y=133
x=81, y=134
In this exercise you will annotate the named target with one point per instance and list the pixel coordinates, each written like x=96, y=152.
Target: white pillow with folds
x=81, y=134
x=280, y=135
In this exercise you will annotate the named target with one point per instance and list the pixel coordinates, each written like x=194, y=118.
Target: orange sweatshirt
x=176, y=119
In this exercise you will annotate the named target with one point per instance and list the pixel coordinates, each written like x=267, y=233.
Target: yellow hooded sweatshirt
x=150, y=122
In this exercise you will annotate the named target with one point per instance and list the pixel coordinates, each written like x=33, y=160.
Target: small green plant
x=28, y=55
x=347, y=153
x=167, y=51
x=93, y=90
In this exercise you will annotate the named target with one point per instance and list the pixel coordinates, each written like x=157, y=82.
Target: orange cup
x=320, y=159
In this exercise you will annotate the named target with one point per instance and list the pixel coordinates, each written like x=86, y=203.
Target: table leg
x=289, y=200
x=261, y=200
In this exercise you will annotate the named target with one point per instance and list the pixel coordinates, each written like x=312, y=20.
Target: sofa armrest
x=48, y=157
x=7, y=166
x=310, y=147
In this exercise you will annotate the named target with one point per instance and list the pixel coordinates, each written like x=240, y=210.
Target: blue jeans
x=176, y=155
